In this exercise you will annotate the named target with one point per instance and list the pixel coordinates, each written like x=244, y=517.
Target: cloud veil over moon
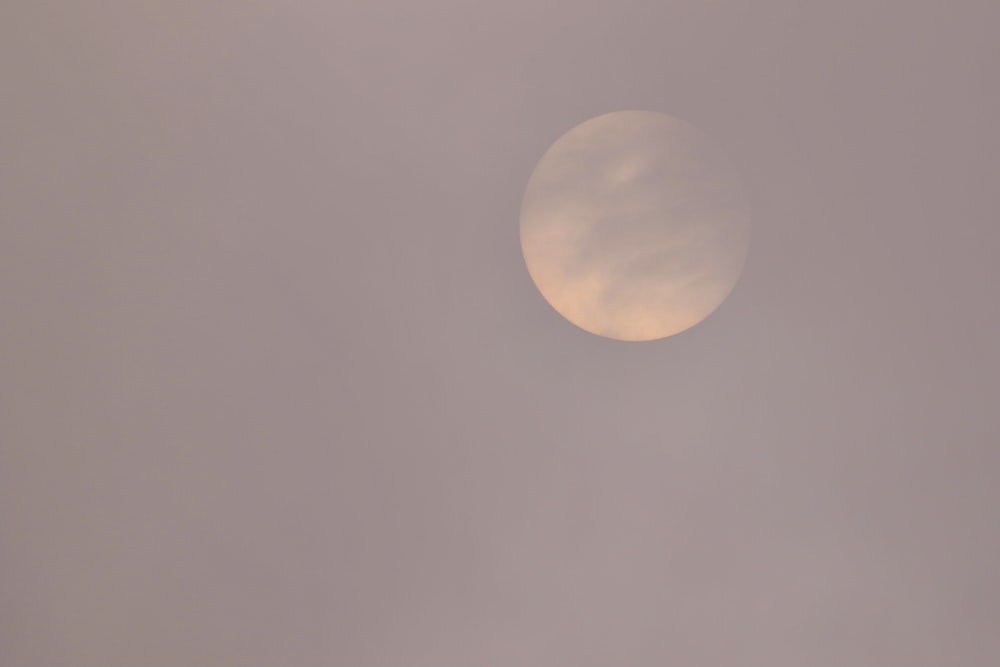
x=634, y=226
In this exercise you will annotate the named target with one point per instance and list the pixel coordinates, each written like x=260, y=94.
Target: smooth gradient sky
x=277, y=389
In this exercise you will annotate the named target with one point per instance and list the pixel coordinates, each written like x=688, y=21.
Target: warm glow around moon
x=634, y=226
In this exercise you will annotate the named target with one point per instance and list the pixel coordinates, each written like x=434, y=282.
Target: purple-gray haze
x=277, y=389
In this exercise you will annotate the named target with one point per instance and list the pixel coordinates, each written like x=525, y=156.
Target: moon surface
x=634, y=226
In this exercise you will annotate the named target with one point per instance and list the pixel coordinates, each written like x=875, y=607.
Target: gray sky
x=277, y=389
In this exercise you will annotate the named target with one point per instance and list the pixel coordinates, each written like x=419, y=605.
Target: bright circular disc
x=634, y=226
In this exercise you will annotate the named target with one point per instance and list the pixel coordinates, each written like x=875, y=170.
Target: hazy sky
x=277, y=389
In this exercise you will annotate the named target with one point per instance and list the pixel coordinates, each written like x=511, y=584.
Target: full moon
x=634, y=226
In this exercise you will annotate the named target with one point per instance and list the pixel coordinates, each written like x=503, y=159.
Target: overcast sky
x=276, y=387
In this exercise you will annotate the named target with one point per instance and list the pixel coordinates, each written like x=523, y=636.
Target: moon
x=634, y=226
